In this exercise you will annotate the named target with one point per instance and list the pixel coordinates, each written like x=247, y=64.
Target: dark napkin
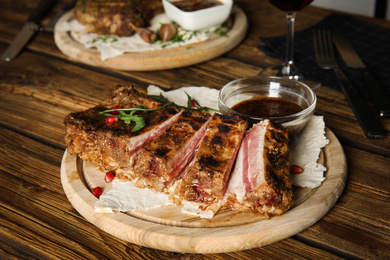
x=371, y=42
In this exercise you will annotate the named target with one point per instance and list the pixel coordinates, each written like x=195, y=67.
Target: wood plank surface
x=42, y=85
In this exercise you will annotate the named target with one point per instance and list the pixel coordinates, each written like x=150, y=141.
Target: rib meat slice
x=114, y=147
x=128, y=96
x=260, y=181
x=165, y=159
x=116, y=16
x=206, y=180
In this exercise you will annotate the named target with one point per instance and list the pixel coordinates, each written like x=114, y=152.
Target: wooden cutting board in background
x=168, y=229
x=157, y=59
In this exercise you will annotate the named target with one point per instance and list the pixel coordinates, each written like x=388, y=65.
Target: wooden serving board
x=157, y=59
x=168, y=229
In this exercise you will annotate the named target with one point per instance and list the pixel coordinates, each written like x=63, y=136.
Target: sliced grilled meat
x=188, y=155
x=165, y=159
x=113, y=147
x=206, y=180
x=116, y=16
x=128, y=96
x=261, y=181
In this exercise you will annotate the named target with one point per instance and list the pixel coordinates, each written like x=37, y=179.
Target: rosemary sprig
x=160, y=98
x=139, y=120
x=193, y=104
x=137, y=108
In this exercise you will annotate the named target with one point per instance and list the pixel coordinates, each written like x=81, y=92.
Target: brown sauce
x=267, y=107
x=194, y=5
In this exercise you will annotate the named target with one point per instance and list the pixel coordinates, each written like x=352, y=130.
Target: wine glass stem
x=290, y=42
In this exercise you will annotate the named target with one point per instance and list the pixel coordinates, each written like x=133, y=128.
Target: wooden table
x=42, y=85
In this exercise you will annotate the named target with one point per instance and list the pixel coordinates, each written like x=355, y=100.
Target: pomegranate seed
x=295, y=169
x=109, y=177
x=111, y=119
x=115, y=112
x=97, y=191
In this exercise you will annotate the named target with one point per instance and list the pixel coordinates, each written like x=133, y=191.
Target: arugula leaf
x=131, y=117
x=139, y=120
x=137, y=108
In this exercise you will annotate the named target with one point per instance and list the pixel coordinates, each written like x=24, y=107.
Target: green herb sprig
x=139, y=120
x=192, y=104
x=105, y=39
x=129, y=118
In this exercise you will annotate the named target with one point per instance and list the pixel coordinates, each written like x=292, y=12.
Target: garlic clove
x=146, y=35
x=167, y=32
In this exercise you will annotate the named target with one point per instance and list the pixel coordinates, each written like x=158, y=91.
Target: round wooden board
x=168, y=58
x=227, y=232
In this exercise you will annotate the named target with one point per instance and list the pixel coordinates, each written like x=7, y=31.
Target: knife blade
x=379, y=97
x=28, y=30
x=369, y=123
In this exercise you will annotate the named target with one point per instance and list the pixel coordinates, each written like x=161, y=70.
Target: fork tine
x=323, y=49
x=323, y=43
x=328, y=43
x=315, y=40
x=320, y=46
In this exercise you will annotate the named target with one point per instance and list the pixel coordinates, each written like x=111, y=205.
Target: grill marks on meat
x=163, y=160
x=260, y=181
x=116, y=16
x=206, y=180
x=114, y=147
x=189, y=155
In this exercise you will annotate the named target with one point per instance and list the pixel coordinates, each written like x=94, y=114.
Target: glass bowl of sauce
x=289, y=103
x=196, y=15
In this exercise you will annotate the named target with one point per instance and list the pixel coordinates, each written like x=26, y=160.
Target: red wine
x=290, y=5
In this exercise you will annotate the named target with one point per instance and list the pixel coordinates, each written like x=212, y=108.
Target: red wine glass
x=288, y=69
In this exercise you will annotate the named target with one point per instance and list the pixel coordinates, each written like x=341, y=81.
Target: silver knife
x=379, y=97
x=28, y=30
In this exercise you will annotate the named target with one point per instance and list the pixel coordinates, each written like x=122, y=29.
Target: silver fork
x=324, y=53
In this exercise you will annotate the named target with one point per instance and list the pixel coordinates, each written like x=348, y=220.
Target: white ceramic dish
x=200, y=19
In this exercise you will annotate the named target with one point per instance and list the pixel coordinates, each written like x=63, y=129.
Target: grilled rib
x=114, y=147
x=261, y=180
x=206, y=180
x=116, y=16
x=165, y=159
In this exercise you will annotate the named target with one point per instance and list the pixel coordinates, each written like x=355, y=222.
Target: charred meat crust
x=163, y=161
x=278, y=197
x=271, y=191
x=206, y=180
x=151, y=155
x=128, y=96
x=116, y=16
x=112, y=147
